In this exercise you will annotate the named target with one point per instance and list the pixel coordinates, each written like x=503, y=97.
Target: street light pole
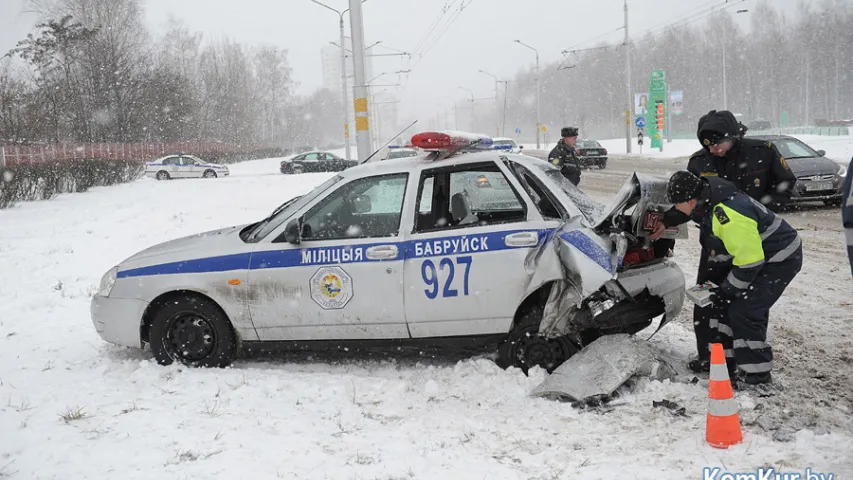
x=473, y=114
x=538, y=118
x=497, y=123
x=455, y=113
x=344, y=99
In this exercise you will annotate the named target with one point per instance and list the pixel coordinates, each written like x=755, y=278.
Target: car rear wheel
x=193, y=331
x=209, y=174
x=162, y=175
x=524, y=348
x=297, y=169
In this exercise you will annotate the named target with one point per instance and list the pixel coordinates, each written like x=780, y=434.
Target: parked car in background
x=508, y=144
x=183, y=166
x=316, y=162
x=591, y=154
x=819, y=179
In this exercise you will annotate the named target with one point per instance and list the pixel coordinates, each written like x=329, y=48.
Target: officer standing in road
x=564, y=156
x=756, y=168
x=766, y=252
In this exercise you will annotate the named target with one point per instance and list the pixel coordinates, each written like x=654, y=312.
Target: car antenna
x=389, y=141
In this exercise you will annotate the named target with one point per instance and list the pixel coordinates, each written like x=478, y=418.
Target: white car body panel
x=369, y=288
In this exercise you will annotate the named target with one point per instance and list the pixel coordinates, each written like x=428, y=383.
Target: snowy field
x=73, y=406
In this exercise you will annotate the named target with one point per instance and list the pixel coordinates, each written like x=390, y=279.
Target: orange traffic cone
x=723, y=426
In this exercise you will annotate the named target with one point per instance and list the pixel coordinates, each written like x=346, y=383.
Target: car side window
x=468, y=196
x=365, y=208
x=171, y=161
x=187, y=161
x=311, y=156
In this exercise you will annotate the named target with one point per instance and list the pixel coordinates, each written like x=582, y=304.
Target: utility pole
x=344, y=97
x=503, y=123
x=497, y=126
x=362, y=122
x=628, y=85
x=538, y=118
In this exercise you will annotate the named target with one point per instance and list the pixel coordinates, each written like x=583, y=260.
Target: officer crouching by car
x=766, y=253
x=564, y=156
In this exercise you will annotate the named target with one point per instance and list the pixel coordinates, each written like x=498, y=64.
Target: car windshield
x=282, y=213
x=790, y=148
x=590, y=209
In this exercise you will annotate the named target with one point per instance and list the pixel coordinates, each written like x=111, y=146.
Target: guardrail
x=135, y=152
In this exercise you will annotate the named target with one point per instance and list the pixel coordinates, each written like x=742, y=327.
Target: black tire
x=297, y=169
x=209, y=174
x=602, y=165
x=524, y=348
x=832, y=202
x=194, y=331
x=163, y=175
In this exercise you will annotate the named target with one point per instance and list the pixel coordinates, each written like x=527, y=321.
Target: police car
x=183, y=166
x=408, y=251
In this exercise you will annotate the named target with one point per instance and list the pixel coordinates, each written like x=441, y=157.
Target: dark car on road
x=591, y=154
x=819, y=179
x=316, y=162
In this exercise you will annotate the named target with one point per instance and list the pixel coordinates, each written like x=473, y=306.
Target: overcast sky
x=480, y=38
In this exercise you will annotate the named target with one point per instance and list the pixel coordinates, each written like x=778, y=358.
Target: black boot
x=757, y=378
x=699, y=365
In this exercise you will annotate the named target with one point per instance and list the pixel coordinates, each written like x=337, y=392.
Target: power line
x=447, y=6
x=440, y=35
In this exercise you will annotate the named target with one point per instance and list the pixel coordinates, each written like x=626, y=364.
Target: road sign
x=517, y=131
x=544, y=128
x=640, y=122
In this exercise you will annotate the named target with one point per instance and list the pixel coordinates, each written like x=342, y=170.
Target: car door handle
x=522, y=239
x=382, y=252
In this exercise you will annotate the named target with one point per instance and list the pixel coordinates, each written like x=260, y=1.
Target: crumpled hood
x=589, y=261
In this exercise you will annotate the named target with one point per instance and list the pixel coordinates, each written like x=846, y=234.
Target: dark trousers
x=705, y=320
x=572, y=173
x=744, y=329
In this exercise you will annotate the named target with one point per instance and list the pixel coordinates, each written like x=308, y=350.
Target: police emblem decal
x=331, y=288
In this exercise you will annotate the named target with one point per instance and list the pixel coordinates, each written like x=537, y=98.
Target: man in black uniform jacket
x=563, y=155
x=756, y=168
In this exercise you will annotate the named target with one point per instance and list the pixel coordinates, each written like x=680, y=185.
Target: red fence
x=134, y=152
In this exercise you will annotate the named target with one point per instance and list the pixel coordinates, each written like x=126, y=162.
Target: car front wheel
x=524, y=348
x=193, y=331
x=162, y=175
x=209, y=174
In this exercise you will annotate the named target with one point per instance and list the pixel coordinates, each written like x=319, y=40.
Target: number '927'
x=430, y=275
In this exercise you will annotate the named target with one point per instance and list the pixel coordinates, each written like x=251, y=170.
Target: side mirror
x=292, y=232
x=821, y=152
x=361, y=204
x=521, y=147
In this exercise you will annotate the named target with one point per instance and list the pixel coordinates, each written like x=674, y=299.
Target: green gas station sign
x=657, y=107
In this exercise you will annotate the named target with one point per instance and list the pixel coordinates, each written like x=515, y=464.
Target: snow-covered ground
x=73, y=406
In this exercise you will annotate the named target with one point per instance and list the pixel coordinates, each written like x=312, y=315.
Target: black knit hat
x=569, y=132
x=683, y=186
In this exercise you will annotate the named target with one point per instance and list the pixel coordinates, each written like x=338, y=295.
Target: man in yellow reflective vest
x=766, y=255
